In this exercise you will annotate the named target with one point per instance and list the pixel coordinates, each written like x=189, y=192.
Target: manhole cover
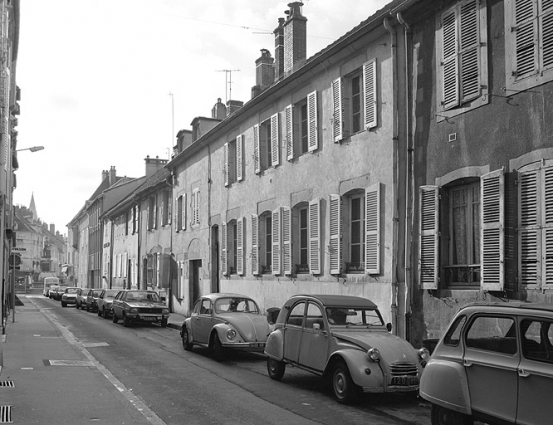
x=70, y=363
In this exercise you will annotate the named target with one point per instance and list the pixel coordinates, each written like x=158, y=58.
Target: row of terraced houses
x=409, y=162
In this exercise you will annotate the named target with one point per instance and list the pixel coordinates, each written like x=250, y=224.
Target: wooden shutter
x=169, y=206
x=224, y=250
x=312, y=127
x=226, y=164
x=6, y=137
x=526, y=34
x=256, y=150
x=450, y=59
x=428, y=237
x=162, y=211
x=289, y=130
x=547, y=226
x=493, y=231
x=255, y=244
x=240, y=223
x=239, y=157
x=337, y=126
x=369, y=93
x=276, y=234
x=469, y=54
x=545, y=20
x=275, y=142
x=287, y=240
x=529, y=234
x=372, y=229
x=315, y=236
x=335, y=245
x=184, y=205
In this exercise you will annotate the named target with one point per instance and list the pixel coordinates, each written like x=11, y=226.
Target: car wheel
x=275, y=368
x=114, y=317
x=98, y=312
x=218, y=350
x=87, y=308
x=63, y=304
x=164, y=323
x=345, y=390
x=185, y=339
x=126, y=321
x=105, y=313
x=443, y=416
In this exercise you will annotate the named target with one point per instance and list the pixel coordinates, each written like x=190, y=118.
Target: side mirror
x=389, y=327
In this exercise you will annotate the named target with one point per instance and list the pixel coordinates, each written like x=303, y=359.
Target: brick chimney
x=105, y=174
x=233, y=106
x=279, y=49
x=295, y=37
x=219, y=111
x=112, y=175
x=52, y=228
x=153, y=165
x=264, y=70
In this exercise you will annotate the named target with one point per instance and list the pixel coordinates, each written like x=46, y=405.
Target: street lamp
x=32, y=149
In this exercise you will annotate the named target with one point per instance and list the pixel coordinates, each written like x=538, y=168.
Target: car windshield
x=236, y=305
x=96, y=293
x=111, y=294
x=71, y=290
x=142, y=296
x=354, y=316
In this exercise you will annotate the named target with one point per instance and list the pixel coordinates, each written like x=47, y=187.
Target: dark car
x=137, y=306
x=105, y=300
x=91, y=301
x=56, y=295
x=80, y=302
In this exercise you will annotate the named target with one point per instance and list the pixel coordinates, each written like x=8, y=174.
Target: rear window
x=492, y=333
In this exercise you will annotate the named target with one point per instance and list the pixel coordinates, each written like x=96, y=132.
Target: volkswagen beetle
x=345, y=339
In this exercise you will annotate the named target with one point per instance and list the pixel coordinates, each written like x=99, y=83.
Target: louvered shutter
x=526, y=31
x=315, y=236
x=287, y=240
x=240, y=245
x=450, y=60
x=369, y=93
x=372, y=229
x=469, y=50
x=125, y=263
x=162, y=211
x=184, y=205
x=335, y=247
x=428, y=237
x=547, y=226
x=289, y=130
x=275, y=142
x=169, y=207
x=226, y=164
x=493, y=231
x=256, y=150
x=546, y=34
x=276, y=234
x=5, y=116
x=224, y=250
x=255, y=244
x=239, y=157
x=312, y=127
x=337, y=125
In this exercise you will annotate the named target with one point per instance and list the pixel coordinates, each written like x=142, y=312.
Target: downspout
x=409, y=185
x=170, y=296
x=394, y=291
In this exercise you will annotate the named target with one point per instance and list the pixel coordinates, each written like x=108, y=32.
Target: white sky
x=96, y=78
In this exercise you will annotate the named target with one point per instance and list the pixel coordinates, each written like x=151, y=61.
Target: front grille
x=402, y=369
x=150, y=310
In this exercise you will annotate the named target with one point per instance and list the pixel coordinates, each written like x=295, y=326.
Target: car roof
x=478, y=305
x=217, y=295
x=338, y=300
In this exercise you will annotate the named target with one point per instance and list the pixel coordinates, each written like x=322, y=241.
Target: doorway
x=194, y=283
x=215, y=284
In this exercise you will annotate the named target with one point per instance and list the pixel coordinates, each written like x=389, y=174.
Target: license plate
x=404, y=381
x=150, y=319
x=257, y=344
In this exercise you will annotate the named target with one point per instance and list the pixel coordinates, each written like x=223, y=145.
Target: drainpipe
x=409, y=185
x=394, y=292
x=170, y=295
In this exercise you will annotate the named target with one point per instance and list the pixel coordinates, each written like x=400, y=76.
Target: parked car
x=105, y=299
x=81, y=298
x=50, y=291
x=345, y=339
x=221, y=321
x=135, y=306
x=56, y=295
x=69, y=296
x=494, y=364
x=91, y=302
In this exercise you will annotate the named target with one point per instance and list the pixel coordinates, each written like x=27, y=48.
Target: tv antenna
x=228, y=82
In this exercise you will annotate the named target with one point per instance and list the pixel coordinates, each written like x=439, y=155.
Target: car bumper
x=245, y=346
x=147, y=318
x=69, y=301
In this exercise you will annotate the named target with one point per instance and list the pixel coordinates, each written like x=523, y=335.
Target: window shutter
x=526, y=33
x=255, y=244
x=287, y=240
x=256, y=150
x=428, y=237
x=546, y=33
x=5, y=115
x=548, y=226
x=155, y=212
x=169, y=207
x=162, y=212
x=450, y=60
x=372, y=229
x=314, y=236
x=125, y=262
x=529, y=235
x=275, y=142
x=337, y=126
x=289, y=129
x=184, y=205
x=335, y=247
x=469, y=50
x=240, y=245
x=493, y=231
x=226, y=164
x=369, y=92
x=224, y=250
x=239, y=157
x=276, y=234
x=312, y=128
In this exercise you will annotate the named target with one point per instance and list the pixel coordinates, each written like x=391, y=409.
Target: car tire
x=442, y=416
x=164, y=323
x=185, y=337
x=126, y=321
x=88, y=308
x=218, y=350
x=105, y=313
x=275, y=368
x=345, y=390
x=98, y=312
x=63, y=304
x=114, y=318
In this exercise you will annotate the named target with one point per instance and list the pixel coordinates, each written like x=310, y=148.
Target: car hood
x=148, y=304
x=252, y=327
x=392, y=348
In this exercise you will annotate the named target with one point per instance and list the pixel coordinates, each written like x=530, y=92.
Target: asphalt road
x=148, y=364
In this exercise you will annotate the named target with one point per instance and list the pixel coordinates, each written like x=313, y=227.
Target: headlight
x=231, y=334
x=374, y=354
x=133, y=310
x=165, y=311
x=424, y=356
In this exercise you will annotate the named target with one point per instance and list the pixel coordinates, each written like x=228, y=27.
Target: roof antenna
x=228, y=82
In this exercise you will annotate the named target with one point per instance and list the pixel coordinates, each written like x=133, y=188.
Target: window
x=300, y=224
x=234, y=160
x=152, y=212
x=354, y=102
x=266, y=144
x=528, y=43
x=165, y=210
x=196, y=207
x=535, y=224
x=301, y=128
x=181, y=212
x=135, y=219
x=537, y=339
x=267, y=248
x=232, y=242
x=295, y=318
x=461, y=43
x=453, y=335
x=492, y=334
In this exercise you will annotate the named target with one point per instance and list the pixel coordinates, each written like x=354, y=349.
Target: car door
x=535, y=372
x=116, y=306
x=314, y=342
x=201, y=322
x=491, y=361
x=293, y=329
